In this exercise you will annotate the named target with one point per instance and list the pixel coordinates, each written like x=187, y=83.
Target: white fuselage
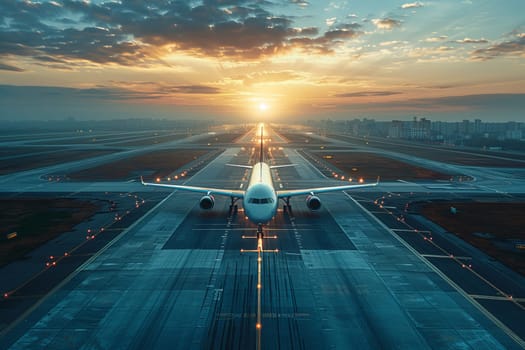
x=260, y=200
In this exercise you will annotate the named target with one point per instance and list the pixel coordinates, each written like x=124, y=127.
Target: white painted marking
x=406, y=182
x=446, y=256
x=409, y=230
x=477, y=305
x=493, y=297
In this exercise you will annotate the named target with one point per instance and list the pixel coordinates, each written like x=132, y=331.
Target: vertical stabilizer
x=261, y=154
x=261, y=151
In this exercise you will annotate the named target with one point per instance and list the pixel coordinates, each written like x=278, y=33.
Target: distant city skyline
x=444, y=60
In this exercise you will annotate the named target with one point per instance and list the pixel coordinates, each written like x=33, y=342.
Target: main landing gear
x=233, y=207
x=287, y=207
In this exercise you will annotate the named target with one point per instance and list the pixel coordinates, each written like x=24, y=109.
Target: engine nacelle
x=313, y=202
x=207, y=202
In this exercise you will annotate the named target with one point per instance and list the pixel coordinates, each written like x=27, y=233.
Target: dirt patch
x=498, y=229
x=369, y=166
x=150, y=165
x=31, y=222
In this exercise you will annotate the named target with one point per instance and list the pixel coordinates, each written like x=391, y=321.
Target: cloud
x=482, y=104
x=392, y=42
x=132, y=91
x=436, y=39
x=412, y=5
x=262, y=77
x=386, y=23
x=471, y=41
x=196, y=89
x=330, y=21
x=515, y=47
x=48, y=93
x=368, y=94
x=301, y=3
x=325, y=43
x=10, y=68
x=133, y=33
x=428, y=52
x=476, y=102
x=306, y=31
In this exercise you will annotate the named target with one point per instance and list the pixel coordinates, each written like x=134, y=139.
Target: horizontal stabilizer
x=282, y=166
x=240, y=166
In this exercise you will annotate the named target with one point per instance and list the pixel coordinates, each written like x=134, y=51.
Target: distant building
x=478, y=127
x=414, y=130
x=396, y=129
x=474, y=133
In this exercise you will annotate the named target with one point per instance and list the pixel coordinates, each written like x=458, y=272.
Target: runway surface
x=177, y=279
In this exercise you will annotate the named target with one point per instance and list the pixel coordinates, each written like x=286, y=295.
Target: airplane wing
x=206, y=190
x=316, y=190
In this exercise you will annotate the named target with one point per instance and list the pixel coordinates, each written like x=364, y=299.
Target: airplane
x=260, y=199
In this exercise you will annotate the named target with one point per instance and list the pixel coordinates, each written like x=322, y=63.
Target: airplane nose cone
x=258, y=218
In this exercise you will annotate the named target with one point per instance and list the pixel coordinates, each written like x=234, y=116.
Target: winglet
x=377, y=182
x=142, y=181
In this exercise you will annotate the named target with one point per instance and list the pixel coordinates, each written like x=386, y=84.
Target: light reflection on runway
x=178, y=279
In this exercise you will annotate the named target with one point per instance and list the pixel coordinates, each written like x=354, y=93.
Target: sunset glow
x=315, y=59
x=263, y=106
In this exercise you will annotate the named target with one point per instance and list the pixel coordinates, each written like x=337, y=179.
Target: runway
x=177, y=279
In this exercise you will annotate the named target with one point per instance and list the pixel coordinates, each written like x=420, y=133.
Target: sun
x=263, y=107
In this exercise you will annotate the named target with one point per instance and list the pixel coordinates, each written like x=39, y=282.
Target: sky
x=262, y=60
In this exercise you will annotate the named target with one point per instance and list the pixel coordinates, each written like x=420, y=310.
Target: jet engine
x=207, y=202
x=313, y=202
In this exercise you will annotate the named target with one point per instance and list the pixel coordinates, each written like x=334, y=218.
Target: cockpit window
x=260, y=200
